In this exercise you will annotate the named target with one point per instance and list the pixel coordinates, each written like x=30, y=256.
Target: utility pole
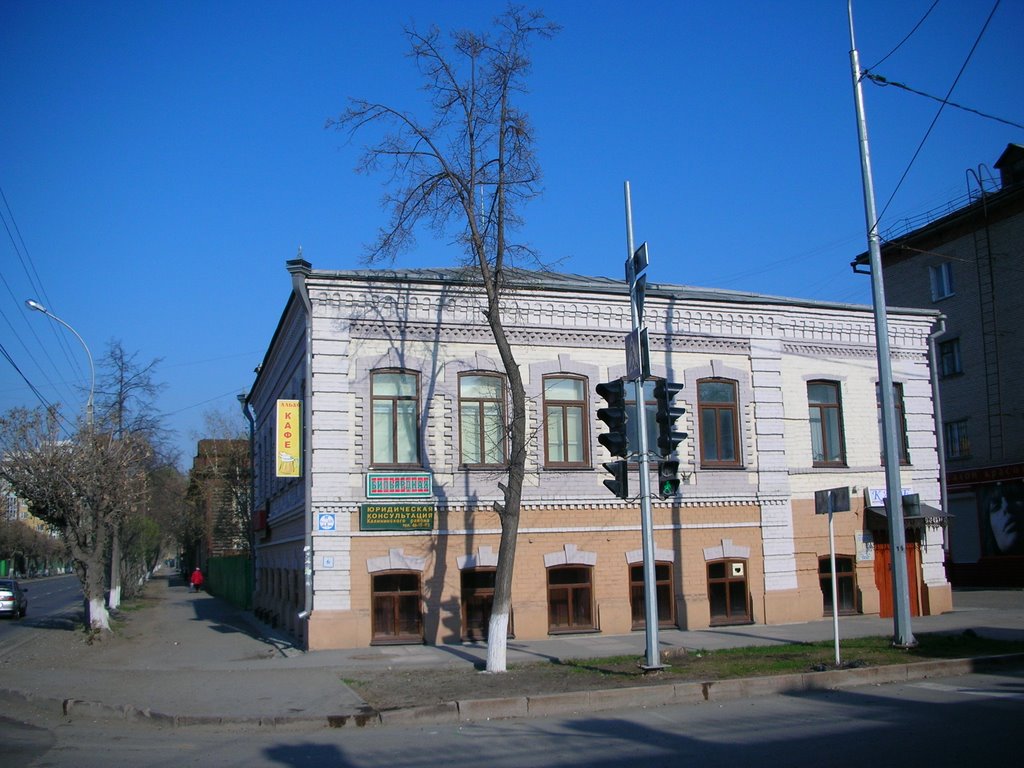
x=903, y=636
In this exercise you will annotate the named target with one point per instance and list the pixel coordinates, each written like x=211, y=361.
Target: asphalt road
x=53, y=602
x=955, y=721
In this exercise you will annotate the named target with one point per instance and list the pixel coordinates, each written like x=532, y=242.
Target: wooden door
x=883, y=578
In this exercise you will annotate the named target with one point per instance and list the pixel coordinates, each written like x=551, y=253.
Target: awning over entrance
x=926, y=513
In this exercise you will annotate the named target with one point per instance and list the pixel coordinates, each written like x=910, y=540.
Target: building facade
x=379, y=446
x=965, y=262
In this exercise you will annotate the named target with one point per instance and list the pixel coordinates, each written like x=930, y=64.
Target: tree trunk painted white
x=114, y=601
x=497, y=642
x=99, y=619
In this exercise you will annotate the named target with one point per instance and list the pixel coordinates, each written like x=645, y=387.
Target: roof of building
x=569, y=282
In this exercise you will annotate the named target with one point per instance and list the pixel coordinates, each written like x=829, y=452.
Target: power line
x=935, y=119
x=909, y=35
x=882, y=81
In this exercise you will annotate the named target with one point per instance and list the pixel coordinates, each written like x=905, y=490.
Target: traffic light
x=668, y=437
x=620, y=484
x=615, y=439
x=668, y=478
x=615, y=416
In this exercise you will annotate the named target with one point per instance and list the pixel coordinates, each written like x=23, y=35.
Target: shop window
x=395, y=430
x=396, y=608
x=482, y=420
x=846, y=584
x=662, y=589
x=565, y=422
x=826, y=421
x=728, y=593
x=719, y=423
x=570, y=599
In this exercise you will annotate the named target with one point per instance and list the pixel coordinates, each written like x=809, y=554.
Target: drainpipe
x=940, y=432
x=300, y=270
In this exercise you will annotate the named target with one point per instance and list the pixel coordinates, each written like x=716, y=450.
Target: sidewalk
x=193, y=658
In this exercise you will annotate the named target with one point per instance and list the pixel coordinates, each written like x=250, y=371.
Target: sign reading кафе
x=396, y=517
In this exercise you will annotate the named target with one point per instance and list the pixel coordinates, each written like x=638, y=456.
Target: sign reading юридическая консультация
x=396, y=517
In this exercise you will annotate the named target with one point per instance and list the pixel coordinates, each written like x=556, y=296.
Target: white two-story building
x=379, y=412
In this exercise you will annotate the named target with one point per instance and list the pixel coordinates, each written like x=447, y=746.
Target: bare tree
x=126, y=393
x=467, y=171
x=79, y=485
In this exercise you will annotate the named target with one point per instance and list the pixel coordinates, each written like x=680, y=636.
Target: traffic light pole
x=650, y=587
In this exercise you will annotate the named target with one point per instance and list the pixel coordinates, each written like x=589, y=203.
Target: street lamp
x=35, y=305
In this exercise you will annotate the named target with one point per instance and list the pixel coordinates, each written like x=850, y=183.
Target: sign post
x=827, y=502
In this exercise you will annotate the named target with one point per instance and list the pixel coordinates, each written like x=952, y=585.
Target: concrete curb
x=542, y=705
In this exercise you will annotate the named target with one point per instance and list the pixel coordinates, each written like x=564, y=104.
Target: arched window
x=719, y=423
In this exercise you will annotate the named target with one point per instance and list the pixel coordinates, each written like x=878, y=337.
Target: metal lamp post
x=35, y=305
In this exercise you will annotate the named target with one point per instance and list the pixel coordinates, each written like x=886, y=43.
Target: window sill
x=575, y=631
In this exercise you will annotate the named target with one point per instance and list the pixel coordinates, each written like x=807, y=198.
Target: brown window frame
x=901, y=423
x=725, y=581
x=824, y=409
x=480, y=404
x=712, y=409
x=843, y=577
x=477, y=602
x=397, y=598
x=663, y=588
x=565, y=405
x=650, y=411
x=577, y=592
x=394, y=399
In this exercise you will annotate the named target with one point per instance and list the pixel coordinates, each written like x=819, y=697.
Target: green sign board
x=396, y=517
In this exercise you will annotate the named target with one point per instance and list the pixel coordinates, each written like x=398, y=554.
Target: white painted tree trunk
x=99, y=619
x=497, y=642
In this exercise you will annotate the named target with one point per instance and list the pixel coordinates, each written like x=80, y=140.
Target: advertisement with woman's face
x=1001, y=508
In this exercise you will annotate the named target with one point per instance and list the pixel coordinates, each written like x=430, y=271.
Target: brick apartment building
x=965, y=261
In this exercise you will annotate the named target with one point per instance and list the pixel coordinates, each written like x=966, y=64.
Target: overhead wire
x=908, y=36
x=883, y=81
x=28, y=266
x=935, y=119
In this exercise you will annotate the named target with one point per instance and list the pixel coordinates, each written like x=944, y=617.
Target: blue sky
x=160, y=161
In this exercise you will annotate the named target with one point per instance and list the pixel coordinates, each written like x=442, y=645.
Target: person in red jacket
x=196, y=579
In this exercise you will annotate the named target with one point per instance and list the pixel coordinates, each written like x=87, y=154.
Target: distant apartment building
x=379, y=414
x=967, y=262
